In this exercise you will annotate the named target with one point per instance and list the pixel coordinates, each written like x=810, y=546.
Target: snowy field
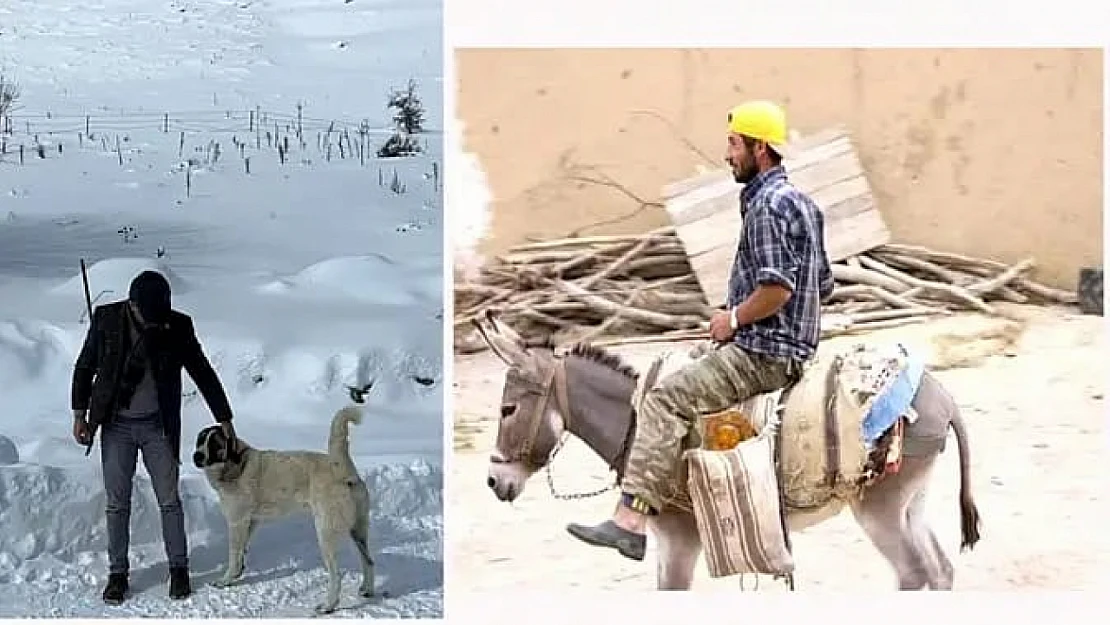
x=138, y=121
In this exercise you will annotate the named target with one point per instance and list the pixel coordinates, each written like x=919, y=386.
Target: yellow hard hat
x=761, y=120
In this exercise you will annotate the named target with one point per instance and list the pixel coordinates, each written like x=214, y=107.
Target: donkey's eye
x=507, y=410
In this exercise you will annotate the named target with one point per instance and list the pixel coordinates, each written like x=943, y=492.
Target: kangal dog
x=256, y=485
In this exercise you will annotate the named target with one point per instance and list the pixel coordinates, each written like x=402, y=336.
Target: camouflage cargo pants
x=722, y=378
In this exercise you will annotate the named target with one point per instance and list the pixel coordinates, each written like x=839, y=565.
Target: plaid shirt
x=781, y=242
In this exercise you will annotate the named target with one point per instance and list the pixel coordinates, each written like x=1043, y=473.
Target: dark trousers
x=120, y=444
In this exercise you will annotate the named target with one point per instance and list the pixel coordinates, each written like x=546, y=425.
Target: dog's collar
x=236, y=467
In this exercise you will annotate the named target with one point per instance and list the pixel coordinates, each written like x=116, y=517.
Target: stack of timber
x=627, y=289
x=585, y=288
x=895, y=284
x=664, y=285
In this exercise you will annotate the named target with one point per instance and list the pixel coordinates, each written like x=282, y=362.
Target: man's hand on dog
x=229, y=430
x=82, y=433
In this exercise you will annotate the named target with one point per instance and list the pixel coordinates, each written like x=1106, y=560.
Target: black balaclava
x=150, y=292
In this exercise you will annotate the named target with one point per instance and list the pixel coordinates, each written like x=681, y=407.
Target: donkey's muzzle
x=504, y=491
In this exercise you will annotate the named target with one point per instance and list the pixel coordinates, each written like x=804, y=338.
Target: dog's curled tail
x=338, y=442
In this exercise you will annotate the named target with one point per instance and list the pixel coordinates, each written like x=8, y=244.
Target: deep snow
x=301, y=278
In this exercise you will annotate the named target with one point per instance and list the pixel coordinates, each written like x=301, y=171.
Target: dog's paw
x=223, y=582
x=370, y=593
x=325, y=608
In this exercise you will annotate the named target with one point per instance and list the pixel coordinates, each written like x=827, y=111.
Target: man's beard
x=745, y=172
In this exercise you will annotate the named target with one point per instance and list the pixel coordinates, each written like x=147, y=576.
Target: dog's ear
x=202, y=437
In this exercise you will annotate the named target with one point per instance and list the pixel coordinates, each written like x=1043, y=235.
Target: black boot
x=179, y=583
x=116, y=589
x=609, y=534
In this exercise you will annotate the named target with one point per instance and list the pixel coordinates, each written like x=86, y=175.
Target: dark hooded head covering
x=150, y=292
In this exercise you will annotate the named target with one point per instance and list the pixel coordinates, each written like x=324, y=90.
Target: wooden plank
x=805, y=153
x=849, y=208
x=704, y=201
x=839, y=168
x=720, y=190
x=712, y=255
x=712, y=268
x=864, y=231
x=842, y=201
x=708, y=233
x=812, y=140
x=817, y=155
x=840, y=192
x=705, y=208
x=713, y=273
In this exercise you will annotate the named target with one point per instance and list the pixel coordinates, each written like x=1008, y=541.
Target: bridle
x=553, y=387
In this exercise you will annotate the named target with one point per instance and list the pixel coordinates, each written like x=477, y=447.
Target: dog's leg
x=239, y=534
x=360, y=533
x=328, y=538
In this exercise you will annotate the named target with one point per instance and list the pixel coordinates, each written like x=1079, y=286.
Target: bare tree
x=9, y=99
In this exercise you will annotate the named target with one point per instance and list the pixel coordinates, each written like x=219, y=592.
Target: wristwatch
x=732, y=321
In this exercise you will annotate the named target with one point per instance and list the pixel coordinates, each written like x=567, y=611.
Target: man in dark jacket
x=127, y=383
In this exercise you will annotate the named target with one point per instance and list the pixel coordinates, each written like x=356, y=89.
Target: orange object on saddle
x=725, y=430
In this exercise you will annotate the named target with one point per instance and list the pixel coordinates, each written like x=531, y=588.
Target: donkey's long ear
x=504, y=330
x=508, y=350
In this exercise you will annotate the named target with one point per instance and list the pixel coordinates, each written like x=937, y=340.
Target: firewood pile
x=621, y=289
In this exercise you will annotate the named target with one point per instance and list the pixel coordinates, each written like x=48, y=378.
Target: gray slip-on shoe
x=609, y=534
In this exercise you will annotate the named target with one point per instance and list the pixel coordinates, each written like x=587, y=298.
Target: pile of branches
x=642, y=288
x=895, y=284
x=586, y=287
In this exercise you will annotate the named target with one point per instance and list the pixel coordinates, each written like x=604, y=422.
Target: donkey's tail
x=969, y=514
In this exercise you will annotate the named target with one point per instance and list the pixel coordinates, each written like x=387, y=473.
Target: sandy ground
x=1035, y=412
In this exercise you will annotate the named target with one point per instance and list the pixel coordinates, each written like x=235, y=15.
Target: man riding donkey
x=769, y=329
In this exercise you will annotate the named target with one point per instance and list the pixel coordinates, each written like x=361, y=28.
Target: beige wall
x=987, y=152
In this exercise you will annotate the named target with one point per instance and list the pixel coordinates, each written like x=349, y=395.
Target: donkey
x=592, y=392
